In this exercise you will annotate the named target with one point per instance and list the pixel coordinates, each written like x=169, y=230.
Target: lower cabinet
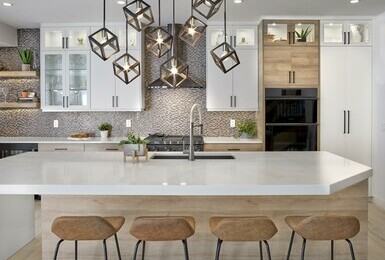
x=61, y=147
x=102, y=147
x=232, y=147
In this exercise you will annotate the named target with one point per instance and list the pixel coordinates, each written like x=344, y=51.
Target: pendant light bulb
x=191, y=31
x=174, y=70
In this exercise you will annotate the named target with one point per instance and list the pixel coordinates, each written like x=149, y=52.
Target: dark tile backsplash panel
x=167, y=110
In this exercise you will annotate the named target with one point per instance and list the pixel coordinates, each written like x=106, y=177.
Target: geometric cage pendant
x=225, y=57
x=192, y=30
x=139, y=15
x=159, y=41
x=104, y=43
x=207, y=8
x=126, y=68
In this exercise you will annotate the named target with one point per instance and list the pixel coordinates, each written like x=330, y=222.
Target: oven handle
x=291, y=124
x=291, y=98
x=344, y=121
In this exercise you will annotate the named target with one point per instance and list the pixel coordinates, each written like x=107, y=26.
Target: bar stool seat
x=323, y=228
x=80, y=228
x=162, y=228
x=254, y=228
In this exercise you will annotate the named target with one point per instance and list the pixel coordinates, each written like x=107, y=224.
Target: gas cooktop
x=162, y=142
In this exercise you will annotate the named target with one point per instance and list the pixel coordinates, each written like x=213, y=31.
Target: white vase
x=104, y=134
x=245, y=136
x=25, y=67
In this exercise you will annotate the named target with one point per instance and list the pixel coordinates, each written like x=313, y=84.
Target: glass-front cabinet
x=240, y=37
x=284, y=32
x=65, y=78
x=73, y=38
x=346, y=33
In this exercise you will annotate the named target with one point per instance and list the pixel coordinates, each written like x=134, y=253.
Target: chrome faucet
x=191, y=156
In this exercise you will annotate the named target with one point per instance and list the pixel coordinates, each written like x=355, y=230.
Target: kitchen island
x=274, y=184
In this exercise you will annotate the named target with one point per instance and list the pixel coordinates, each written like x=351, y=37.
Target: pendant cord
x=192, y=7
x=159, y=12
x=126, y=31
x=225, y=21
x=173, y=28
x=104, y=13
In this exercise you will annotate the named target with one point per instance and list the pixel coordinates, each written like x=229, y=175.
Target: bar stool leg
x=136, y=248
x=76, y=250
x=290, y=245
x=105, y=249
x=332, y=249
x=143, y=249
x=351, y=249
x=117, y=247
x=185, y=249
x=303, y=249
x=260, y=250
x=268, y=249
x=219, y=244
x=57, y=248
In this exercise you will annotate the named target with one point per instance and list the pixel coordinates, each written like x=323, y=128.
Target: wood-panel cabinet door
x=305, y=66
x=277, y=66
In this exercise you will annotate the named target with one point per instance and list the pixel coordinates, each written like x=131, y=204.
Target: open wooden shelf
x=18, y=74
x=19, y=105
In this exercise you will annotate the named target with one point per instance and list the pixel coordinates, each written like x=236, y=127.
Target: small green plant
x=105, y=127
x=25, y=55
x=25, y=90
x=246, y=126
x=302, y=36
x=133, y=139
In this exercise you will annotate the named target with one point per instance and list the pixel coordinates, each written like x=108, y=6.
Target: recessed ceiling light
x=7, y=4
x=121, y=2
x=354, y=1
x=238, y=1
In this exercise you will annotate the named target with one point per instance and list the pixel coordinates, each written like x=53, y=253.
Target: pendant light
x=160, y=41
x=138, y=14
x=207, y=8
x=126, y=67
x=174, y=71
x=103, y=42
x=193, y=29
x=224, y=55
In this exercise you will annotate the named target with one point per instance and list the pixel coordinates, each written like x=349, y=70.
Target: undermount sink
x=197, y=157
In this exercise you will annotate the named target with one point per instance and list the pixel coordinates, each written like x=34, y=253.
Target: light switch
x=56, y=123
x=232, y=123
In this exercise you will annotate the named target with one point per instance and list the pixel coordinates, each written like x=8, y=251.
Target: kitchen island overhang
x=271, y=184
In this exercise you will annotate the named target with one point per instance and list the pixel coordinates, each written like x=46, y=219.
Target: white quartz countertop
x=112, y=140
x=250, y=173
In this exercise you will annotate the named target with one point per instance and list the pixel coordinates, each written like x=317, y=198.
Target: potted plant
x=246, y=128
x=26, y=57
x=104, y=129
x=133, y=143
x=302, y=36
x=25, y=93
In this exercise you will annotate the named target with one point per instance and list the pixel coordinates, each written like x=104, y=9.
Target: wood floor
x=376, y=237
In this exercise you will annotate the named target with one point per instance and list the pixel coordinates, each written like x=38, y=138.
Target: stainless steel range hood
x=189, y=82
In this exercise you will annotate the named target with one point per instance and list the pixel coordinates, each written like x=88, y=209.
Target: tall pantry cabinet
x=346, y=90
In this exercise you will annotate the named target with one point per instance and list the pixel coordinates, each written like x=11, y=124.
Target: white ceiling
x=31, y=13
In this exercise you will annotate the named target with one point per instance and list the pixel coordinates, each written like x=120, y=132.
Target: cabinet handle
x=235, y=41
x=67, y=100
x=344, y=37
x=112, y=149
x=64, y=101
x=288, y=37
x=289, y=76
x=235, y=101
x=348, y=37
x=233, y=149
x=66, y=42
x=293, y=37
x=293, y=77
x=113, y=101
x=117, y=101
x=62, y=42
x=344, y=121
x=61, y=149
x=231, y=101
x=348, y=121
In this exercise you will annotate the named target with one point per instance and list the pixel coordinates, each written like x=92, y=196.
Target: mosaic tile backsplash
x=167, y=110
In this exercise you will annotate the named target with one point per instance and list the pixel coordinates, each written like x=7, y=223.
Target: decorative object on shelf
x=138, y=14
x=104, y=129
x=160, y=41
x=193, y=29
x=79, y=137
x=5, y=91
x=224, y=55
x=24, y=93
x=246, y=129
x=302, y=36
x=26, y=57
x=174, y=71
x=207, y=8
x=103, y=42
x=126, y=67
x=134, y=146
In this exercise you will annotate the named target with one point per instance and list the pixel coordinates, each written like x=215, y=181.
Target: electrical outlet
x=128, y=123
x=232, y=122
x=56, y=123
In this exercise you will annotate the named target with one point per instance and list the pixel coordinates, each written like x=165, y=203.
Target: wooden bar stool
x=162, y=229
x=243, y=229
x=76, y=228
x=323, y=228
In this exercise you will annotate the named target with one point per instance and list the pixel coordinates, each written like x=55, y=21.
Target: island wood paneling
x=350, y=201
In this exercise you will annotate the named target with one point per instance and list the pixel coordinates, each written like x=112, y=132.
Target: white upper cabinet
x=72, y=38
x=346, y=33
x=236, y=90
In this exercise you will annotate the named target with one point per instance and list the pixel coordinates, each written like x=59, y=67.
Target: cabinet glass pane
x=217, y=37
x=304, y=32
x=77, y=38
x=78, y=79
x=333, y=33
x=132, y=38
x=245, y=37
x=359, y=33
x=53, y=39
x=53, y=79
x=277, y=32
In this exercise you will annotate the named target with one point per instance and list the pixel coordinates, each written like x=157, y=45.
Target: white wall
x=378, y=124
x=8, y=36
